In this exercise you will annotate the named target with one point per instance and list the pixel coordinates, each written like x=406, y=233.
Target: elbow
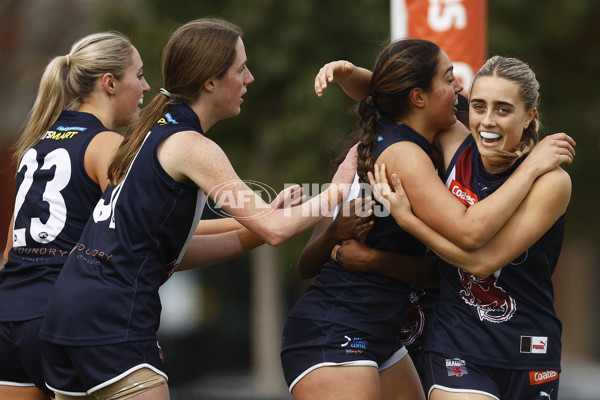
x=275, y=238
x=480, y=272
x=470, y=242
x=484, y=270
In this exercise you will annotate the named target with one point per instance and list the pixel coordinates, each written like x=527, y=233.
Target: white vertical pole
x=267, y=322
x=398, y=19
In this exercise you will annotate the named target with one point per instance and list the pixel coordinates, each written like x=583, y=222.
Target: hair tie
x=373, y=95
x=166, y=92
x=68, y=60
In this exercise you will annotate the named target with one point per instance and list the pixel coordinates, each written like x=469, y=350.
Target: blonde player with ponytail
x=62, y=157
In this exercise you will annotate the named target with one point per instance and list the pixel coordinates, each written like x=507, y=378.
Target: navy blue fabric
x=507, y=320
x=107, y=291
x=454, y=373
x=367, y=301
x=55, y=197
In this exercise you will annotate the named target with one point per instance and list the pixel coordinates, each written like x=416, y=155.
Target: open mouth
x=141, y=101
x=489, y=138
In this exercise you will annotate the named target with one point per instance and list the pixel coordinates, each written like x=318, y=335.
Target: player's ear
x=417, y=97
x=109, y=83
x=210, y=85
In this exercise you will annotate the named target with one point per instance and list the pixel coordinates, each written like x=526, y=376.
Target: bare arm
x=470, y=227
x=99, y=154
x=329, y=232
x=220, y=239
x=208, y=249
x=288, y=197
x=9, y=240
x=417, y=270
x=355, y=81
x=544, y=204
x=187, y=155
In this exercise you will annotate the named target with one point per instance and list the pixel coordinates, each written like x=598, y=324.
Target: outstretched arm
x=220, y=239
x=180, y=156
x=355, y=81
x=288, y=197
x=544, y=204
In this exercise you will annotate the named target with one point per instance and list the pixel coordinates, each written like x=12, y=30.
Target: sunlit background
x=221, y=325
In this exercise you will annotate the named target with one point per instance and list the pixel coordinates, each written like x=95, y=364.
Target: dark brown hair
x=196, y=52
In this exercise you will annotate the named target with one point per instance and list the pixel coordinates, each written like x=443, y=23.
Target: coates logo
x=538, y=377
x=463, y=194
x=241, y=194
x=492, y=302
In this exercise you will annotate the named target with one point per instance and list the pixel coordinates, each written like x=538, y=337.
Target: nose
x=488, y=118
x=459, y=87
x=145, y=86
x=249, y=77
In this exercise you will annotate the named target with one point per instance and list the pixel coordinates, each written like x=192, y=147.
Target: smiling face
x=129, y=91
x=232, y=86
x=497, y=116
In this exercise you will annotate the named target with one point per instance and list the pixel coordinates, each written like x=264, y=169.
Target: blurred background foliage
x=285, y=134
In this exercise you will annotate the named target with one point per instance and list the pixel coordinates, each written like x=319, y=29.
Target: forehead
x=493, y=89
x=136, y=59
x=240, y=52
x=444, y=64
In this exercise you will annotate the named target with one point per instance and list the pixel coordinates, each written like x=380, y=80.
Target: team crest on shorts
x=354, y=345
x=456, y=367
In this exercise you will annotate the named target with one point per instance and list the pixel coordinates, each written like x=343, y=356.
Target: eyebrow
x=450, y=69
x=497, y=103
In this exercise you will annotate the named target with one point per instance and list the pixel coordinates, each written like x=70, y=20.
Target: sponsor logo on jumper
x=534, y=344
x=456, y=367
x=57, y=135
x=84, y=250
x=538, y=377
x=167, y=119
x=492, y=302
x=354, y=345
x=39, y=251
x=466, y=196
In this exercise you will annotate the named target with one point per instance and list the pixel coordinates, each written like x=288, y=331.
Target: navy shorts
x=307, y=345
x=21, y=361
x=77, y=371
x=457, y=375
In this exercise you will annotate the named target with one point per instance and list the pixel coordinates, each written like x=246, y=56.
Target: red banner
x=459, y=27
